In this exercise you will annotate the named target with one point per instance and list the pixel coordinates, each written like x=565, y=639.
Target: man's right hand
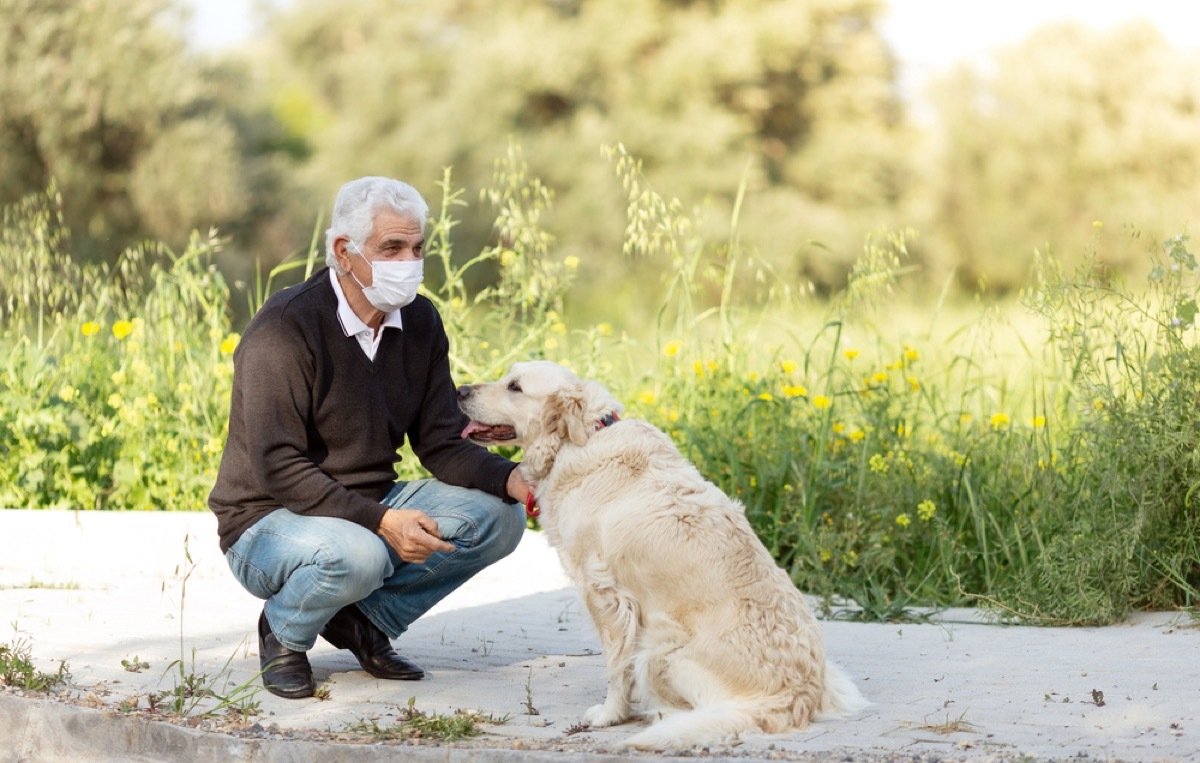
x=412, y=534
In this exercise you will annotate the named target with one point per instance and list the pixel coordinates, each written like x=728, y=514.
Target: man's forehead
x=390, y=224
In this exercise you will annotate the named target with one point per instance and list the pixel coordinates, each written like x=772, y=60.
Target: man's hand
x=517, y=487
x=412, y=534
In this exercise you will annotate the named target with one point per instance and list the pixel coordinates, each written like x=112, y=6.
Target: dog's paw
x=599, y=716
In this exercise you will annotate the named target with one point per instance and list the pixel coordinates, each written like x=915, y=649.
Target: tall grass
x=1039, y=460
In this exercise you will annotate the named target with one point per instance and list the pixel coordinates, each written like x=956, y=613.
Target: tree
x=1071, y=128
x=105, y=100
x=794, y=95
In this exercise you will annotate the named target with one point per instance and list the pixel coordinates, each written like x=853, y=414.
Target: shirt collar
x=352, y=325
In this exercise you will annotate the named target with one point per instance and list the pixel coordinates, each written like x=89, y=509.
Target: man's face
x=395, y=237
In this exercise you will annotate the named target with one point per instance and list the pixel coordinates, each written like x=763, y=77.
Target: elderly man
x=329, y=378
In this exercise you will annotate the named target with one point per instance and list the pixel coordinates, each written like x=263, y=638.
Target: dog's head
x=537, y=405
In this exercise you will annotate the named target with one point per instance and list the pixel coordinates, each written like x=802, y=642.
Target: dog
x=699, y=627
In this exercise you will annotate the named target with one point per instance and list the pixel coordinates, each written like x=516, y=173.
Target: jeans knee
x=354, y=567
x=503, y=532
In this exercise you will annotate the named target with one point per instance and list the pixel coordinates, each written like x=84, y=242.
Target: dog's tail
x=841, y=697
x=707, y=725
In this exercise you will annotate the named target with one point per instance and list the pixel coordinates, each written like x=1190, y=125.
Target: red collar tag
x=531, y=507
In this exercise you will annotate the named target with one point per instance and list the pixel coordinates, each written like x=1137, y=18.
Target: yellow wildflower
x=821, y=402
x=794, y=390
x=229, y=344
x=878, y=464
x=879, y=377
x=118, y=378
x=67, y=393
x=999, y=420
x=122, y=329
x=507, y=258
x=910, y=354
x=914, y=384
x=925, y=510
x=647, y=397
x=838, y=428
x=765, y=396
x=672, y=349
x=571, y=262
x=857, y=435
x=604, y=329
x=788, y=366
x=903, y=520
x=1039, y=422
x=850, y=354
x=91, y=328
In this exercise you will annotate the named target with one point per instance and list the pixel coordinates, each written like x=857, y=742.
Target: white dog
x=698, y=624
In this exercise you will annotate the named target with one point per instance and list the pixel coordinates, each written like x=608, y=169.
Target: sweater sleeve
x=436, y=435
x=276, y=371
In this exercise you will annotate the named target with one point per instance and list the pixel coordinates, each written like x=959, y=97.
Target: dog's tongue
x=488, y=432
x=474, y=427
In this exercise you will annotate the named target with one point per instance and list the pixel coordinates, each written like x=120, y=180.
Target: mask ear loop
x=359, y=252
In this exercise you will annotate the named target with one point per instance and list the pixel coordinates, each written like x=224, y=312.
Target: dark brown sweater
x=314, y=425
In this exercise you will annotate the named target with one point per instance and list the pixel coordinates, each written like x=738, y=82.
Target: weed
x=955, y=726
x=529, y=708
x=412, y=723
x=192, y=691
x=135, y=665
x=17, y=669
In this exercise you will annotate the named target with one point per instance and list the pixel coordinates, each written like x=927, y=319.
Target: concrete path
x=114, y=593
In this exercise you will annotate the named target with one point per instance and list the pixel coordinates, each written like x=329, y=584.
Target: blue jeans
x=307, y=568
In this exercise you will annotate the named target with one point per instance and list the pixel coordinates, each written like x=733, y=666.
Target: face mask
x=393, y=282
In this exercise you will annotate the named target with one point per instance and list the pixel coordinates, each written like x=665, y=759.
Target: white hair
x=359, y=201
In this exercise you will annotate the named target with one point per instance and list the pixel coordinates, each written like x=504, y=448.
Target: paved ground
x=102, y=589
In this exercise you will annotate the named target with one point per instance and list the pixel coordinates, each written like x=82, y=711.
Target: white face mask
x=394, y=283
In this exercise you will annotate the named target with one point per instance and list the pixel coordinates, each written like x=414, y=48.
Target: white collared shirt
x=368, y=338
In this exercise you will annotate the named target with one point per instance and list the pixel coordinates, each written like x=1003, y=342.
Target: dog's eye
x=513, y=386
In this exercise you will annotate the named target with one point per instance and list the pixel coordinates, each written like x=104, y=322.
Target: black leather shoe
x=285, y=673
x=350, y=629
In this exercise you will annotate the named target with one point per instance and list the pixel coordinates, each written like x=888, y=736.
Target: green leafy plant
x=17, y=668
x=412, y=723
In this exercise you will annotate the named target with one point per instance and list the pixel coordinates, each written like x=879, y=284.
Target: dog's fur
x=697, y=622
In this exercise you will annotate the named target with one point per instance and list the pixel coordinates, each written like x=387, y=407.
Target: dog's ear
x=564, y=415
x=562, y=420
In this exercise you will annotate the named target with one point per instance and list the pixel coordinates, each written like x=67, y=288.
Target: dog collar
x=531, y=508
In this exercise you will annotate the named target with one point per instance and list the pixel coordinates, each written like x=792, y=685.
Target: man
x=329, y=378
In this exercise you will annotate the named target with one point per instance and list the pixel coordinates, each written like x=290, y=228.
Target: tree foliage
x=795, y=96
x=1071, y=128
x=105, y=100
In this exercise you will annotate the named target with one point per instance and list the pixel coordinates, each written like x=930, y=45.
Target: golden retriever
x=698, y=625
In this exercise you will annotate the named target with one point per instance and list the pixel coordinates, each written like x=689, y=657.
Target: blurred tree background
x=793, y=103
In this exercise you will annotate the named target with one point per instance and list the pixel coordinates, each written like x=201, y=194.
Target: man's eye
x=514, y=386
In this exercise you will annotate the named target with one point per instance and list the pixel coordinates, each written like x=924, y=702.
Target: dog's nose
x=464, y=392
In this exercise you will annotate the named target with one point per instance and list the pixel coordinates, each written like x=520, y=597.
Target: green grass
x=1035, y=457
